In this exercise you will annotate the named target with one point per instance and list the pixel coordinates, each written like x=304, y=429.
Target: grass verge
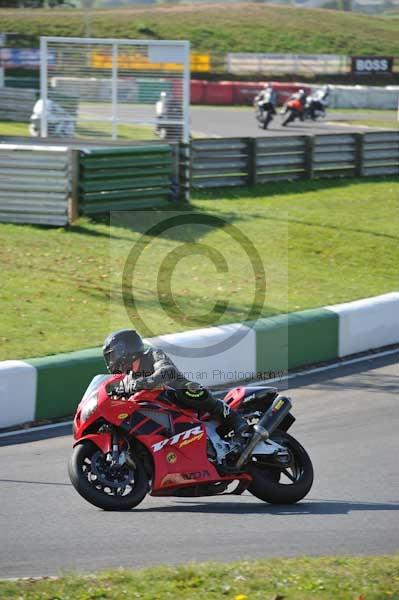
x=320, y=242
x=87, y=129
x=242, y=28
x=380, y=124
x=366, y=578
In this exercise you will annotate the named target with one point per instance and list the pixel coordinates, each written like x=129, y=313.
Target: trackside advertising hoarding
x=378, y=65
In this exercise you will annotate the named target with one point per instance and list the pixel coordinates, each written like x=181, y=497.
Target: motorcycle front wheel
x=119, y=487
x=278, y=485
x=289, y=119
x=268, y=119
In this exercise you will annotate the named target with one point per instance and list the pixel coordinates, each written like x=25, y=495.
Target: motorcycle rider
x=300, y=98
x=267, y=99
x=318, y=101
x=60, y=122
x=146, y=369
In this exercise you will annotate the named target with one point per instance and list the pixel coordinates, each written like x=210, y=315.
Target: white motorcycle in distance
x=316, y=104
x=59, y=121
x=265, y=106
x=168, y=118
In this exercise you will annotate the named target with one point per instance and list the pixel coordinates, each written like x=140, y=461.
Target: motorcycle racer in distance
x=60, y=122
x=316, y=103
x=265, y=105
x=295, y=107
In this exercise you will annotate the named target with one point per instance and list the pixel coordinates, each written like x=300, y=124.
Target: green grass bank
x=321, y=242
x=366, y=578
x=246, y=27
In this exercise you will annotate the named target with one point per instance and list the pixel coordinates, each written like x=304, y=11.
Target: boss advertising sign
x=372, y=64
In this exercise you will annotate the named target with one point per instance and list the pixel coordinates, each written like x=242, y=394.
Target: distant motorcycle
x=316, y=104
x=59, y=121
x=294, y=109
x=265, y=107
x=168, y=118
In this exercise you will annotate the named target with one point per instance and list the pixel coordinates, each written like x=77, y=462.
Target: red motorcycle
x=126, y=448
x=294, y=109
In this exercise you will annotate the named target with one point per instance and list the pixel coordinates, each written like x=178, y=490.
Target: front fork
x=109, y=444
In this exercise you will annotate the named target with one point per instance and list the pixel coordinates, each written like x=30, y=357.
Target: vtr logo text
x=179, y=437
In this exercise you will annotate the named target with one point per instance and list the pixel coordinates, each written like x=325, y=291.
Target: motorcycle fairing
x=102, y=440
x=250, y=396
x=182, y=460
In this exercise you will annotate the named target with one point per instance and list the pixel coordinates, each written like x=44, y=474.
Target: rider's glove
x=132, y=385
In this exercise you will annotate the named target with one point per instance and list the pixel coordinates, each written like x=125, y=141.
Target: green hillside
x=247, y=27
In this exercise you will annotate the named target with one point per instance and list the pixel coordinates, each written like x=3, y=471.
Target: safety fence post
x=73, y=201
x=359, y=154
x=184, y=171
x=251, y=157
x=309, y=156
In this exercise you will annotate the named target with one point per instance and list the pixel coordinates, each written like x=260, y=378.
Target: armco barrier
x=16, y=104
x=335, y=155
x=219, y=162
x=245, y=92
x=279, y=158
x=51, y=387
x=35, y=184
x=219, y=92
x=380, y=153
x=124, y=178
x=247, y=161
x=197, y=91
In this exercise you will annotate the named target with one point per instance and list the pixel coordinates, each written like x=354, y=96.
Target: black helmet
x=121, y=348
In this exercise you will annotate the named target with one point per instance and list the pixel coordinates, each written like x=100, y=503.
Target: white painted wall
x=359, y=96
x=17, y=392
x=212, y=368
x=369, y=323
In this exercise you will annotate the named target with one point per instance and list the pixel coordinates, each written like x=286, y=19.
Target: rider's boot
x=197, y=397
x=230, y=418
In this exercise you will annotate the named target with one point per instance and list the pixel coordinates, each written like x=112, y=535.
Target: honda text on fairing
x=127, y=448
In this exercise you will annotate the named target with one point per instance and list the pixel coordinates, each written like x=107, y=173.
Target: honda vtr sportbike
x=128, y=447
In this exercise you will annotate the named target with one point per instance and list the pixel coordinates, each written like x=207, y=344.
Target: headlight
x=89, y=407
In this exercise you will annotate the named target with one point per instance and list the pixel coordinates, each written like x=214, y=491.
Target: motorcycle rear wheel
x=268, y=483
x=119, y=489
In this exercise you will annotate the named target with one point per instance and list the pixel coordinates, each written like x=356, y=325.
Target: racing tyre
x=107, y=487
x=289, y=119
x=278, y=485
x=267, y=120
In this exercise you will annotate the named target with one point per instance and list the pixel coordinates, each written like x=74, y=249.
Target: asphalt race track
x=348, y=419
x=225, y=121
x=240, y=122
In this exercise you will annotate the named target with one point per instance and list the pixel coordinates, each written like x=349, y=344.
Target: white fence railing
x=106, y=86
